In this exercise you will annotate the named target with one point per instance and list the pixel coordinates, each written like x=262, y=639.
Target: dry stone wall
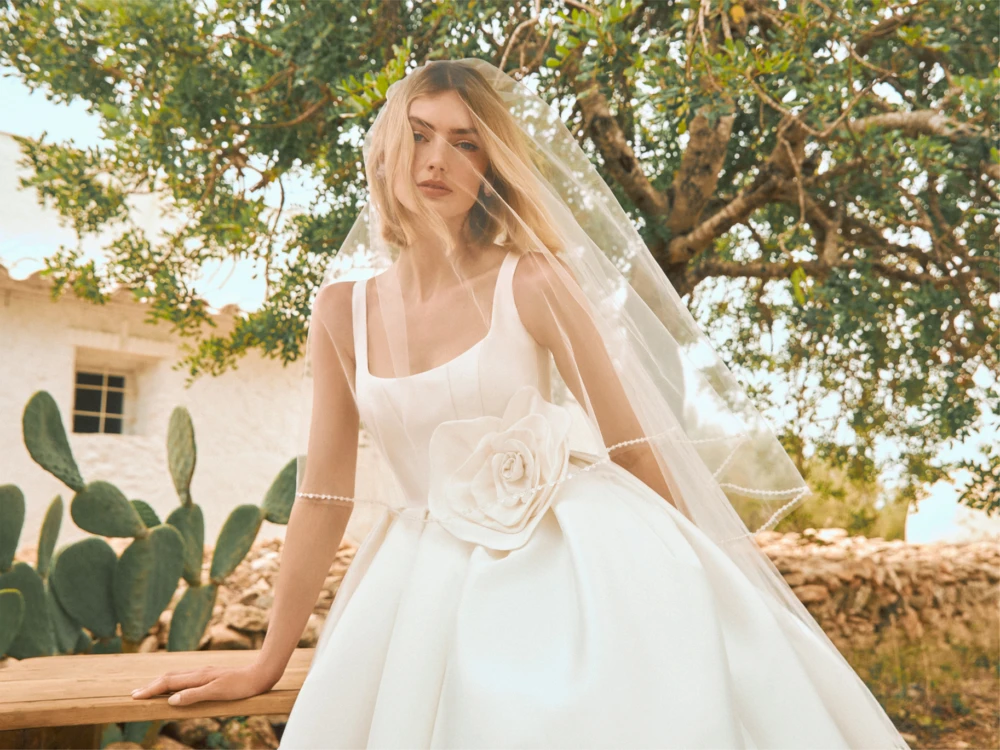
x=859, y=589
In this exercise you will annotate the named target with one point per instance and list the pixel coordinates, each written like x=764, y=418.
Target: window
x=99, y=402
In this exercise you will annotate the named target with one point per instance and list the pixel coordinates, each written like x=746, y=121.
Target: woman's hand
x=207, y=684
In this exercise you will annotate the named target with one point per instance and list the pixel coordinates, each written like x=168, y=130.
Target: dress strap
x=503, y=295
x=359, y=323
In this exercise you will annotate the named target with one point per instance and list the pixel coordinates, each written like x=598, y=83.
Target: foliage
x=982, y=492
x=838, y=501
x=819, y=180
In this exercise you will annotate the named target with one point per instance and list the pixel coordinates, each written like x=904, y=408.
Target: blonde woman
x=570, y=478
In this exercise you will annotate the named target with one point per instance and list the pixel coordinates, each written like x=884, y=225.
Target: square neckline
x=489, y=331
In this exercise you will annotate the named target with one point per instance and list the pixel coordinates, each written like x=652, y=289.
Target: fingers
x=172, y=682
x=189, y=696
x=215, y=685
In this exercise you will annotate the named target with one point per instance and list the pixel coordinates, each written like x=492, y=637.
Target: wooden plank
x=96, y=688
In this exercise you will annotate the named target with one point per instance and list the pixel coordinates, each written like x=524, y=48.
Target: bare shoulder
x=535, y=271
x=333, y=309
x=336, y=297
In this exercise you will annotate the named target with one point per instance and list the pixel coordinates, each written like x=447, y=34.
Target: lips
x=435, y=186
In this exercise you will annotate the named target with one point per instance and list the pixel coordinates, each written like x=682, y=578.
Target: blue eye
x=473, y=148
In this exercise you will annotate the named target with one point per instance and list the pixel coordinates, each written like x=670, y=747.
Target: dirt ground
x=965, y=720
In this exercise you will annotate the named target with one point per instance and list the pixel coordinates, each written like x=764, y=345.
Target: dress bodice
x=401, y=413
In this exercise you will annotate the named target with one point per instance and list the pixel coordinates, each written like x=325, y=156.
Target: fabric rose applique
x=493, y=478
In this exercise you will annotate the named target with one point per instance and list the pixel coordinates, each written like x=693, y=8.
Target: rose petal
x=477, y=464
x=512, y=466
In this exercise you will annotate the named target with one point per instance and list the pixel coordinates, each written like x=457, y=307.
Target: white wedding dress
x=618, y=624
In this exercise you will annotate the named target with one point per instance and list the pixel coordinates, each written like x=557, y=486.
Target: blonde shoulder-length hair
x=493, y=219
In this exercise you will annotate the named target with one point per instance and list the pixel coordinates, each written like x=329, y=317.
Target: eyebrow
x=453, y=131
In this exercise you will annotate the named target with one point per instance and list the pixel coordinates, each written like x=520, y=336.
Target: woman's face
x=446, y=149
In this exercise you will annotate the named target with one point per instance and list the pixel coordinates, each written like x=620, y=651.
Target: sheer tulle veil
x=634, y=368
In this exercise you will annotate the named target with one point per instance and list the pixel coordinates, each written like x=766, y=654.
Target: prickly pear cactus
x=25, y=627
x=34, y=637
x=145, y=580
x=235, y=540
x=46, y=441
x=11, y=616
x=11, y=523
x=70, y=637
x=277, y=505
x=190, y=522
x=101, y=508
x=84, y=597
x=83, y=575
x=146, y=513
x=48, y=535
x=191, y=617
x=181, y=452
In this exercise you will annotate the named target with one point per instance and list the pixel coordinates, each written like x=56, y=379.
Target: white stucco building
x=113, y=376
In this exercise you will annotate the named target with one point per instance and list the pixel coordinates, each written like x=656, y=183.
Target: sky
x=29, y=233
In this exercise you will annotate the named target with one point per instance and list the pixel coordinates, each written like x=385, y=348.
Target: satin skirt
x=618, y=625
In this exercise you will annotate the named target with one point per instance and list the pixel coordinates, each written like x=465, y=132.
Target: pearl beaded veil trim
x=422, y=514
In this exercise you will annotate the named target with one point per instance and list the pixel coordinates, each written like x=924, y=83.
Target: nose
x=438, y=154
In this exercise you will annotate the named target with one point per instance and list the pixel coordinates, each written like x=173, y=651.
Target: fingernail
x=174, y=699
x=136, y=691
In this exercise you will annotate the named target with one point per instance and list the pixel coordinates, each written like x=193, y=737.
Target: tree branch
x=619, y=158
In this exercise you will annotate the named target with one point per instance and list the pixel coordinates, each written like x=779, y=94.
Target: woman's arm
x=553, y=309
x=316, y=526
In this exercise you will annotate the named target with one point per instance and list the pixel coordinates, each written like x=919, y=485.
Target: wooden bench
x=94, y=689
